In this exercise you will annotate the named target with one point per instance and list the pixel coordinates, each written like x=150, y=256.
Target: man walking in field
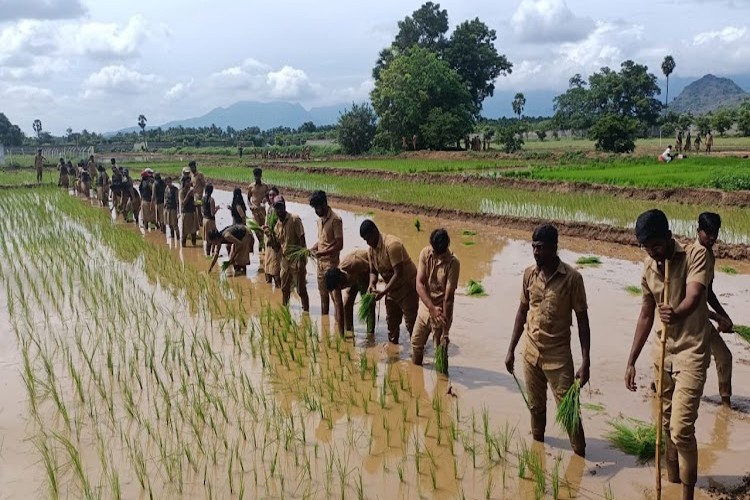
x=39, y=165
x=698, y=142
x=709, y=142
x=687, y=353
x=437, y=280
x=552, y=291
x=708, y=232
x=329, y=245
x=352, y=275
x=389, y=259
x=289, y=233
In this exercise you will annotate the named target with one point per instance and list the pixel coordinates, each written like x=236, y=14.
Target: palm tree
x=519, y=101
x=38, y=129
x=142, y=123
x=667, y=67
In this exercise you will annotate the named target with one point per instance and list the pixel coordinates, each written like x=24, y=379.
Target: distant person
x=709, y=142
x=328, y=247
x=437, y=280
x=271, y=262
x=353, y=276
x=146, y=191
x=189, y=220
x=102, y=186
x=160, y=188
x=171, y=207
x=678, y=144
x=708, y=232
x=240, y=238
x=688, y=142
x=257, y=194
x=552, y=292
x=91, y=167
x=240, y=150
x=85, y=182
x=63, y=180
x=666, y=156
x=238, y=209
x=115, y=186
x=208, y=211
x=697, y=142
x=39, y=165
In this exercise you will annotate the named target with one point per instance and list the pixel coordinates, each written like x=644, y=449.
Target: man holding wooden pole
x=675, y=279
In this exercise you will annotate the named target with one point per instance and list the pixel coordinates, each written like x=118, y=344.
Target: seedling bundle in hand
x=297, y=253
x=366, y=303
x=743, y=331
x=441, y=358
x=569, y=410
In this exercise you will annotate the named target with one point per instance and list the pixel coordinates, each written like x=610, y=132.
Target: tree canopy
x=10, y=134
x=356, y=129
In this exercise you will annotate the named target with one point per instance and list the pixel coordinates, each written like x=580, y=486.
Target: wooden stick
x=660, y=383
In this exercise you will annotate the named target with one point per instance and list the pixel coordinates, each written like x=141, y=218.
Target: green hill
x=708, y=94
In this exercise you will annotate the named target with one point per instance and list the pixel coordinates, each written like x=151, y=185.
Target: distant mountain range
x=708, y=94
x=700, y=96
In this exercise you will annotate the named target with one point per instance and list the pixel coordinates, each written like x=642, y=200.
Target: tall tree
x=38, y=129
x=10, y=134
x=519, y=101
x=356, y=129
x=142, y=124
x=667, y=67
x=419, y=94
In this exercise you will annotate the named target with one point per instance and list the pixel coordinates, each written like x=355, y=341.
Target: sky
x=99, y=64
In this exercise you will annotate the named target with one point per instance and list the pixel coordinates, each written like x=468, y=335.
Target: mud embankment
x=589, y=231
x=691, y=196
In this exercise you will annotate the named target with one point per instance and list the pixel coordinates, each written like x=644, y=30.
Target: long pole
x=660, y=390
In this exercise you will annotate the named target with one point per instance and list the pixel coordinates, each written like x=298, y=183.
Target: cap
x=186, y=170
x=279, y=200
x=149, y=171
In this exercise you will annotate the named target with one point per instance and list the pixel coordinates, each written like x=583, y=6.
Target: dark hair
x=545, y=233
x=192, y=163
x=440, y=240
x=237, y=201
x=651, y=224
x=257, y=171
x=274, y=189
x=213, y=234
x=62, y=159
x=367, y=227
x=100, y=168
x=209, y=189
x=332, y=278
x=709, y=222
x=318, y=199
x=112, y=160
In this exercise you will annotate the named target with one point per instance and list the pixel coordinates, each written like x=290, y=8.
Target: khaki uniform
x=547, y=358
x=272, y=264
x=245, y=248
x=209, y=218
x=257, y=194
x=290, y=233
x=721, y=353
x=189, y=215
x=402, y=301
x=330, y=228
x=198, y=180
x=171, y=205
x=441, y=274
x=687, y=352
x=356, y=268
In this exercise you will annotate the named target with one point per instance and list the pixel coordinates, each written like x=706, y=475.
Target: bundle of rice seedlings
x=634, y=437
x=589, y=260
x=417, y=224
x=253, y=226
x=475, y=289
x=569, y=410
x=441, y=358
x=225, y=265
x=521, y=389
x=743, y=331
x=297, y=253
x=468, y=232
x=366, y=303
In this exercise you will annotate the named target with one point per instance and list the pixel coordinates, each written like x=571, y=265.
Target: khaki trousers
x=401, y=304
x=559, y=380
x=423, y=327
x=682, y=396
x=723, y=358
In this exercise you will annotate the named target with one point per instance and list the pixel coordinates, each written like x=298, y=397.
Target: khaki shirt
x=388, y=253
x=440, y=273
x=38, y=161
x=356, y=267
x=198, y=180
x=330, y=228
x=257, y=194
x=710, y=265
x=687, y=345
x=551, y=306
x=290, y=233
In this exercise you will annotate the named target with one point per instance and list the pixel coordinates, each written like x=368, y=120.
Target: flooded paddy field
x=127, y=371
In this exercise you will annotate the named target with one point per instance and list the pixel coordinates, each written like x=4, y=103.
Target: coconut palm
x=142, y=123
x=38, y=129
x=667, y=67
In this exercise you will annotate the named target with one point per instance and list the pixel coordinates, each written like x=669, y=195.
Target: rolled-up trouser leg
x=410, y=306
x=688, y=389
x=536, y=389
x=723, y=358
x=393, y=316
x=422, y=330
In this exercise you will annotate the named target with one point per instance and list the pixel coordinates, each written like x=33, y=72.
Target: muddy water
x=480, y=334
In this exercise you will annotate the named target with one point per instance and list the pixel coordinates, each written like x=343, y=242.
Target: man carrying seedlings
x=687, y=350
x=329, y=245
x=352, y=275
x=39, y=165
x=160, y=188
x=709, y=224
x=437, y=280
x=389, y=259
x=552, y=291
x=289, y=232
x=171, y=203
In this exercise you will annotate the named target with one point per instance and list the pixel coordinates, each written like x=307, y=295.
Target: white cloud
x=11, y=10
x=289, y=83
x=118, y=80
x=730, y=34
x=549, y=21
x=178, y=91
x=721, y=51
x=108, y=40
x=256, y=80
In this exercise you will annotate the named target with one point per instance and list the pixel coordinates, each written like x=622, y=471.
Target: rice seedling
x=366, y=303
x=743, y=331
x=441, y=358
x=297, y=254
x=589, y=260
x=521, y=390
x=468, y=243
x=417, y=224
x=593, y=407
x=568, y=415
x=475, y=289
x=556, y=477
x=634, y=290
x=468, y=232
x=728, y=270
x=634, y=437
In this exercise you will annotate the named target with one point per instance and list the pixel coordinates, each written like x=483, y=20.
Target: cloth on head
x=279, y=200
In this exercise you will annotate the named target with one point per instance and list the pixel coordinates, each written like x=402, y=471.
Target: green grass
x=633, y=289
x=475, y=289
x=634, y=437
x=406, y=165
x=591, y=260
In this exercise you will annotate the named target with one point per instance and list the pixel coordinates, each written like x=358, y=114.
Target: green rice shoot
x=569, y=410
x=743, y=331
x=633, y=290
x=441, y=358
x=254, y=226
x=417, y=224
x=366, y=303
x=634, y=437
x=522, y=391
x=468, y=243
x=475, y=289
x=297, y=254
x=593, y=407
x=468, y=232
x=728, y=270
x=589, y=260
